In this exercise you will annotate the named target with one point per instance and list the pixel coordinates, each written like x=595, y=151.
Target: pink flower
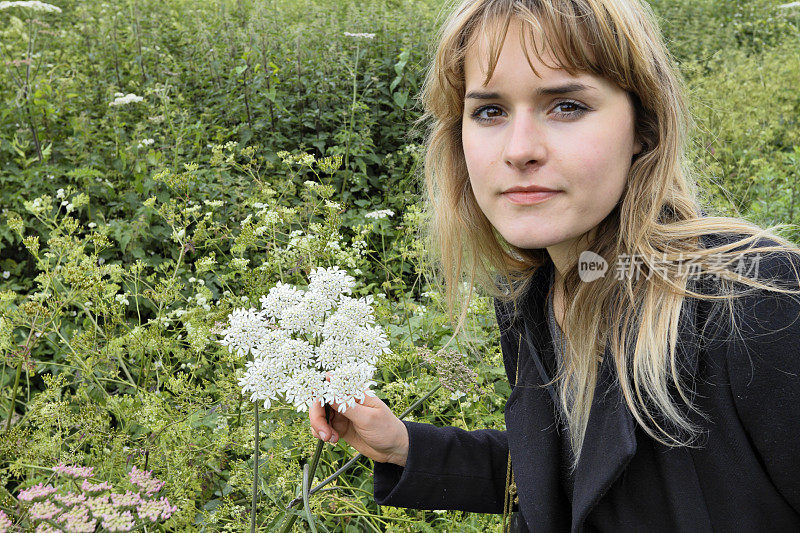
x=144, y=480
x=152, y=510
x=35, y=493
x=5, y=523
x=77, y=521
x=118, y=521
x=44, y=511
x=73, y=471
x=69, y=499
x=86, y=486
x=99, y=506
x=129, y=499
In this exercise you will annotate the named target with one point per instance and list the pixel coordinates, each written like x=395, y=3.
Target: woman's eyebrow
x=541, y=91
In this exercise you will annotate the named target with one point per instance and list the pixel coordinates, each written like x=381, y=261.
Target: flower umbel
x=298, y=336
x=33, y=5
x=58, y=508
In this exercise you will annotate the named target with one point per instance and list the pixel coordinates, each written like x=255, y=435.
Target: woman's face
x=574, y=135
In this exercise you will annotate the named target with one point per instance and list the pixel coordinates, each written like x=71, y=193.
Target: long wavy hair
x=659, y=214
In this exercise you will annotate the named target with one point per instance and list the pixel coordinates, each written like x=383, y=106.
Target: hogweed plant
x=24, y=71
x=307, y=346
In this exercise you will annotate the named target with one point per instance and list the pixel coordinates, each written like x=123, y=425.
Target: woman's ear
x=637, y=147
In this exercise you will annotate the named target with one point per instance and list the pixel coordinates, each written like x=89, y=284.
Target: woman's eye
x=489, y=112
x=486, y=113
x=578, y=109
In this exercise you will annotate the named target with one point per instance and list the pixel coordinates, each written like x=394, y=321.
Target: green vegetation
x=263, y=137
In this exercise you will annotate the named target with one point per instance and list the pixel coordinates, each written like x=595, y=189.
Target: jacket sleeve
x=763, y=361
x=449, y=468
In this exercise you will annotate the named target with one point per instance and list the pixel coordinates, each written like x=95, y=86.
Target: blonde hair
x=658, y=215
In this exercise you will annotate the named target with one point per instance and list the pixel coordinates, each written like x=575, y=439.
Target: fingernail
x=334, y=439
x=323, y=435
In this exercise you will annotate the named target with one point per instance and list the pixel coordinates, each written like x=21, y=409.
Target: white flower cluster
x=360, y=35
x=381, y=213
x=299, y=337
x=33, y=5
x=124, y=99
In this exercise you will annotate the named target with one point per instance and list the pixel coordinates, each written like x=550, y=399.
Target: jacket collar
x=610, y=433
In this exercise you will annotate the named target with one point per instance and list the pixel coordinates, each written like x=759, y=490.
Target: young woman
x=653, y=350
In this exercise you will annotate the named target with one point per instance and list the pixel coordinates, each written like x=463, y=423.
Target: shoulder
x=760, y=356
x=756, y=339
x=755, y=311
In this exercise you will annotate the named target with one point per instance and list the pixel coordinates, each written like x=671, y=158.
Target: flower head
x=145, y=481
x=348, y=383
x=33, y=5
x=155, y=510
x=318, y=330
x=36, y=493
x=77, y=520
x=280, y=297
x=69, y=499
x=129, y=98
x=359, y=35
x=247, y=328
x=115, y=521
x=75, y=472
x=128, y=500
x=46, y=510
x=330, y=282
x=91, y=488
x=380, y=213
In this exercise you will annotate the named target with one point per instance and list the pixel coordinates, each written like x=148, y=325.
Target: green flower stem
x=306, y=505
x=358, y=456
x=255, y=476
x=289, y=522
x=14, y=396
x=87, y=370
x=350, y=125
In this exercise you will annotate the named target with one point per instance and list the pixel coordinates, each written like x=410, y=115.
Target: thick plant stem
x=289, y=522
x=306, y=505
x=255, y=478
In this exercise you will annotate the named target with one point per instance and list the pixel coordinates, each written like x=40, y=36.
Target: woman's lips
x=529, y=198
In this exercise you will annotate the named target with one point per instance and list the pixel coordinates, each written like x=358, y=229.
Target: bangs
x=567, y=32
x=546, y=33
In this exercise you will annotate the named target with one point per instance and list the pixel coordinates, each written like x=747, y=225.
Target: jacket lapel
x=610, y=433
x=610, y=438
x=610, y=444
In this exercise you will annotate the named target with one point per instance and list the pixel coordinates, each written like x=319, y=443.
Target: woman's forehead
x=489, y=38
x=484, y=48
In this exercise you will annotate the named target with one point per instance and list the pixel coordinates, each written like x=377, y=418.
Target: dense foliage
x=260, y=135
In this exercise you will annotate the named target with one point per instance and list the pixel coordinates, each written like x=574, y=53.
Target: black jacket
x=744, y=475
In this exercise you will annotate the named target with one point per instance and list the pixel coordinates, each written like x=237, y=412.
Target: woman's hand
x=370, y=427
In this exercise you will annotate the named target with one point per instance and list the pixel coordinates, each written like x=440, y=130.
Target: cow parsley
x=33, y=5
x=121, y=99
x=307, y=346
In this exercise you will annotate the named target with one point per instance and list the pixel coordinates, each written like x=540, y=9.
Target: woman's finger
x=316, y=415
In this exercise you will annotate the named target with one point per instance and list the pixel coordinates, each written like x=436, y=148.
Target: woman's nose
x=525, y=143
